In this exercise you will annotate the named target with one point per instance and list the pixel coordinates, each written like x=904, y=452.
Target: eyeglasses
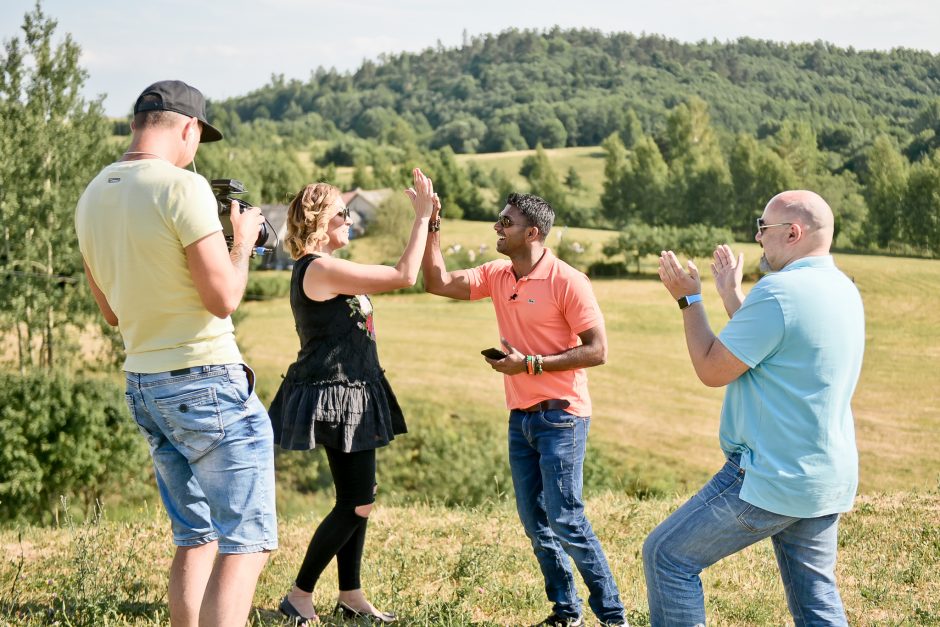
x=761, y=226
x=343, y=212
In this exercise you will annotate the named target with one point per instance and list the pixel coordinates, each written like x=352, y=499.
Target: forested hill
x=572, y=87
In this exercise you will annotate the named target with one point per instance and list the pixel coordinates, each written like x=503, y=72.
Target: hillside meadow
x=653, y=441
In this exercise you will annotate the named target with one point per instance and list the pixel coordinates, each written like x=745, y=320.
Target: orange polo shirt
x=541, y=314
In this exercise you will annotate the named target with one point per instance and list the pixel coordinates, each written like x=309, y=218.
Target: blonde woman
x=335, y=394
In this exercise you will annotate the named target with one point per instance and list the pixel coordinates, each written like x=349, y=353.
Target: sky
x=231, y=48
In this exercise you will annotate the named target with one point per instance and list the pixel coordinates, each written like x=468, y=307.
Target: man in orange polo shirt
x=552, y=329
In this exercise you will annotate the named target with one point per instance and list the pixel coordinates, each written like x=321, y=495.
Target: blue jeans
x=213, y=454
x=716, y=523
x=546, y=456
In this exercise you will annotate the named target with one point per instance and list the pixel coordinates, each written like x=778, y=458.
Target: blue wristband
x=691, y=299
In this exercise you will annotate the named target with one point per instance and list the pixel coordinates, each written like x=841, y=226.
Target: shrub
x=267, y=285
x=63, y=435
x=640, y=240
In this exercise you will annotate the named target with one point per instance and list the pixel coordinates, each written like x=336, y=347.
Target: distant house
x=362, y=204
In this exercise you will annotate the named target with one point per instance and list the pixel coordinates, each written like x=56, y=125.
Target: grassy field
x=654, y=424
x=458, y=567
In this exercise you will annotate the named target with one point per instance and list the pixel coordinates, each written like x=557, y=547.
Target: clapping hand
x=727, y=270
x=679, y=282
x=728, y=273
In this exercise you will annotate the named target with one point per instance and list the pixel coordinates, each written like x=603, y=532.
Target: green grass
x=442, y=566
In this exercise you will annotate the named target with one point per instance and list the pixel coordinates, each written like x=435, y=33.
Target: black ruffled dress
x=336, y=393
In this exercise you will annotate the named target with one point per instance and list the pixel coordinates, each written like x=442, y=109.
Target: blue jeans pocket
x=557, y=419
x=757, y=520
x=729, y=477
x=194, y=420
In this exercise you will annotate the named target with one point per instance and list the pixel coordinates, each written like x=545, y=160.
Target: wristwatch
x=691, y=299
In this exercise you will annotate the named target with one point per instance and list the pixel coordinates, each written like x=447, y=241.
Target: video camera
x=224, y=191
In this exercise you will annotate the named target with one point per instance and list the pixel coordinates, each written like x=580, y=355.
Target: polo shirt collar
x=816, y=261
x=542, y=269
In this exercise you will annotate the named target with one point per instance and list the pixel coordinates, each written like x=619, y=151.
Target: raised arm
x=714, y=364
x=330, y=276
x=437, y=280
x=220, y=276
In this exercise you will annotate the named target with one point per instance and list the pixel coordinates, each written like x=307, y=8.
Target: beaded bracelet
x=434, y=227
x=538, y=364
x=530, y=364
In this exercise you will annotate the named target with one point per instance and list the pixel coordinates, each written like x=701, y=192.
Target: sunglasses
x=761, y=226
x=505, y=222
x=343, y=212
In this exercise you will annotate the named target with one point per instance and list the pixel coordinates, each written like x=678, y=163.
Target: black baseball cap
x=181, y=98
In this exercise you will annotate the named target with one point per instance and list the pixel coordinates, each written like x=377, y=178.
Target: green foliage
x=921, y=217
x=758, y=174
x=460, y=197
x=63, y=435
x=573, y=180
x=640, y=240
x=543, y=181
x=885, y=190
x=52, y=143
x=576, y=87
x=267, y=285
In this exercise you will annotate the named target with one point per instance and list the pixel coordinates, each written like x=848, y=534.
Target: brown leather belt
x=547, y=405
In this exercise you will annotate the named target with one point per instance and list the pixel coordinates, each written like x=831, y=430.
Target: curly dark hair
x=536, y=210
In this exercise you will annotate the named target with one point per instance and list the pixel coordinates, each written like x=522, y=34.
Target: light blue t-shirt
x=802, y=333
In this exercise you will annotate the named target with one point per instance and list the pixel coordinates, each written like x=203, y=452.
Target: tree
x=885, y=187
x=757, y=175
x=699, y=181
x=52, y=142
x=544, y=182
x=921, y=217
x=613, y=204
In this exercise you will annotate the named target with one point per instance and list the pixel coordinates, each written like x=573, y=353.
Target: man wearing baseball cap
x=159, y=269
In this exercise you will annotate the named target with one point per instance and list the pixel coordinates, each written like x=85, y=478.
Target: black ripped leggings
x=343, y=532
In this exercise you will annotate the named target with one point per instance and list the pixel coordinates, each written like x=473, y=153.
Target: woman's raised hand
x=421, y=195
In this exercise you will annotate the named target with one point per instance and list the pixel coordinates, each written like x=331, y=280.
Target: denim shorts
x=213, y=454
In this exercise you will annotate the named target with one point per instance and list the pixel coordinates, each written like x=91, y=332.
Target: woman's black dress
x=336, y=393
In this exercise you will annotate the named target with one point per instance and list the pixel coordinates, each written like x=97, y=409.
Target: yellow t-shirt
x=133, y=222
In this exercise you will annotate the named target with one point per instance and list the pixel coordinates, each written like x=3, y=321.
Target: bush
x=640, y=240
x=267, y=285
x=63, y=436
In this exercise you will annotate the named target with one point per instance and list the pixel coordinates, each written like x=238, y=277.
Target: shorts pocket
x=194, y=421
x=557, y=419
x=757, y=520
x=152, y=440
x=242, y=381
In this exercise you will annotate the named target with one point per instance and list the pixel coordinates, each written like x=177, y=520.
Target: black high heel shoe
x=287, y=609
x=349, y=613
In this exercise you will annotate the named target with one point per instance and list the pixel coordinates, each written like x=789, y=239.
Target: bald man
x=790, y=357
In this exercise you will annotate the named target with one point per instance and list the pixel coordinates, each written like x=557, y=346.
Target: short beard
x=764, y=266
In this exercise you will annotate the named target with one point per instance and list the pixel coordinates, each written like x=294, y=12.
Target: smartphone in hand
x=493, y=353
